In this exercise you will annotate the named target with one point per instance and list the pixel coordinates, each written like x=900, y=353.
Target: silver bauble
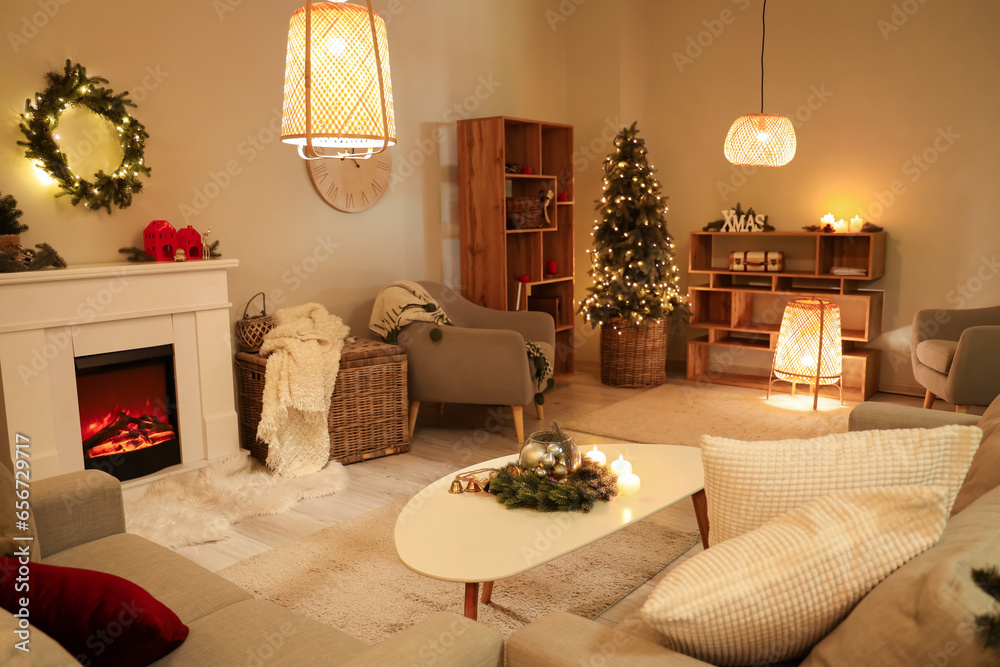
x=544, y=451
x=531, y=455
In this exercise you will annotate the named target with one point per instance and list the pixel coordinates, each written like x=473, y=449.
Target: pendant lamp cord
x=763, y=27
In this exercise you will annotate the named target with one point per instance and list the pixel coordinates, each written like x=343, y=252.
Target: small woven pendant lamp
x=338, y=89
x=809, y=348
x=760, y=139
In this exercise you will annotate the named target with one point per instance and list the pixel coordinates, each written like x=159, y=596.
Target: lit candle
x=857, y=223
x=828, y=219
x=597, y=456
x=621, y=466
x=628, y=484
x=840, y=226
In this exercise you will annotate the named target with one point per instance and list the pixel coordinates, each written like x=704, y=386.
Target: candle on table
x=828, y=219
x=628, y=484
x=857, y=223
x=597, y=456
x=621, y=466
x=840, y=226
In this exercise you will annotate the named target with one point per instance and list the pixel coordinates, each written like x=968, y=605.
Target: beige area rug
x=187, y=509
x=679, y=413
x=348, y=576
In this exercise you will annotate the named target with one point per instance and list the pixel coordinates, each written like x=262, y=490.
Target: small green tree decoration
x=12, y=256
x=635, y=277
x=9, y=216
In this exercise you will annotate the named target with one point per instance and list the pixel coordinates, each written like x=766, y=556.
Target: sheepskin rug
x=202, y=506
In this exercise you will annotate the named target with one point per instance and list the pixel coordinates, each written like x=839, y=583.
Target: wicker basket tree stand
x=634, y=356
x=635, y=293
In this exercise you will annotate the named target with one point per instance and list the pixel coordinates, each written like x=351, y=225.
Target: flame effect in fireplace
x=125, y=433
x=123, y=410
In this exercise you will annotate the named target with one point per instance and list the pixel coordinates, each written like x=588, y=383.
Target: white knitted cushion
x=750, y=483
x=770, y=594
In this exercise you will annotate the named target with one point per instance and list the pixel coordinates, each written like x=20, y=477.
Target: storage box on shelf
x=742, y=310
x=496, y=251
x=368, y=409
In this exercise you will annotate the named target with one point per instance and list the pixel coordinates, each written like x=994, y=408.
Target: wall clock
x=351, y=186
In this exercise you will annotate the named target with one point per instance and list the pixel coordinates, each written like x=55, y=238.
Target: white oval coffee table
x=471, y=538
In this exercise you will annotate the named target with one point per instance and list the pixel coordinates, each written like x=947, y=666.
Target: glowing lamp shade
x=760, y=140
x=809, y=348
x=335, y=96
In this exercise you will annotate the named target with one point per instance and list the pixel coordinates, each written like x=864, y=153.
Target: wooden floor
x=443, y=443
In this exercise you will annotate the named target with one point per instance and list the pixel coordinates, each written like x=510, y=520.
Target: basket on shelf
x=250, y=331
x=526, y=213
x=634, y=356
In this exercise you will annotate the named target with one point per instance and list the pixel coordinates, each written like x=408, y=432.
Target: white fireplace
x=51, y=317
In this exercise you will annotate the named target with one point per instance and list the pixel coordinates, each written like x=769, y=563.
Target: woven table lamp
x=809, y=348
x=338, y=91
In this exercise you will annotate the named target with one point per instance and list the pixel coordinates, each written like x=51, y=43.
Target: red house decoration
x=159, y=240
x=189, y=240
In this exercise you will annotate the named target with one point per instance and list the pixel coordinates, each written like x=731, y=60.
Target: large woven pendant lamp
x=338, y=92
x=809, y=348
x=760, y=139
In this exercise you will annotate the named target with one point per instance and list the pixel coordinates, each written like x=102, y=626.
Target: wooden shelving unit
x=741, y=311
x=493, y=256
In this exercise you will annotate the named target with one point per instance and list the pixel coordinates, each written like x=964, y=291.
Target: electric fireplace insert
x=128, y=411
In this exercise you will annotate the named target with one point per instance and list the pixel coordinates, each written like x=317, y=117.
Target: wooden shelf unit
x=492, y=256
x=741, y=311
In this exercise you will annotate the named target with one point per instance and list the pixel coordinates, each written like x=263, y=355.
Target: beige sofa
x=920, y=615
x=81, y=524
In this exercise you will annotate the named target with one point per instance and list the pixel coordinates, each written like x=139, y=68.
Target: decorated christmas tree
x=635, y=278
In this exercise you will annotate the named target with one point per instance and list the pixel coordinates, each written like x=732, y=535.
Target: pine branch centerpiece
x=635, y=289
x=550, y=475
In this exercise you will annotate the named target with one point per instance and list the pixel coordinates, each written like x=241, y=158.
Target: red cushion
x=99, y=618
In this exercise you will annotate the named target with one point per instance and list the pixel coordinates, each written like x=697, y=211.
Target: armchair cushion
x=937, y=354
x=984, y=473
x=771, y=594
x=750, y=483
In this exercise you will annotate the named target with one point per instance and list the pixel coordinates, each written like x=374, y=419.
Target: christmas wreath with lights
x=39, y=122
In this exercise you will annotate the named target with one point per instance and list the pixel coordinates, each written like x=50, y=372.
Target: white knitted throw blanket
x=401, y=303
x=303, y=357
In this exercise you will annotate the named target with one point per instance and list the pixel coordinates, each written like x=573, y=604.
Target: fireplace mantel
x=52, y=316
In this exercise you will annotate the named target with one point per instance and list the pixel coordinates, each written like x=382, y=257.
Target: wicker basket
x=250, y=330
x=526, y=213
x=368, y=409
x=634, y=356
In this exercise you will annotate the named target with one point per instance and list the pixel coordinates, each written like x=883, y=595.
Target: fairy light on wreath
x=41, y=118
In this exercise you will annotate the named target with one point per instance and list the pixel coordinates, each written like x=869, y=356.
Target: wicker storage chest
x=368, y=410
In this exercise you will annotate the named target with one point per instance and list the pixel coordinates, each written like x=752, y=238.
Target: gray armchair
x=956, y=355
x=479, y=360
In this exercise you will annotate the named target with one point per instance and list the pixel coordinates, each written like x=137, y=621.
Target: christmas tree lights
x=634, y=271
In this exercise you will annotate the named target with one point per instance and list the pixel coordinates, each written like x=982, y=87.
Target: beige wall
x=872, y=90
x=209, y=77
